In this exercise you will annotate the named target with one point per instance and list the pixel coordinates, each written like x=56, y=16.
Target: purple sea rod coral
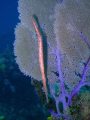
x=67, y=46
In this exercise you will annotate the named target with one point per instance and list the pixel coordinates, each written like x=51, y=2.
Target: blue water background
x=23, y=104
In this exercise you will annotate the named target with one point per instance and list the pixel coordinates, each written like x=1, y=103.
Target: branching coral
x=65, y=29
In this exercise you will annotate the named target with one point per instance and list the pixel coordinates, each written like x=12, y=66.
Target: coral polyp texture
x=65, y=29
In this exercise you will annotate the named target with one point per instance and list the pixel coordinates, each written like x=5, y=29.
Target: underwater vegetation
x=50, y=118
x=52, y=46
x=18, y=99
x=2, y=118
x=3, y=67
x=80, y=108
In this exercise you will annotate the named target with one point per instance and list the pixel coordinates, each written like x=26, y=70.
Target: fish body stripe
x=41, y=56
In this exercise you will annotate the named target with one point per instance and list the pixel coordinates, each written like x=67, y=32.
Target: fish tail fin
x=46, y=92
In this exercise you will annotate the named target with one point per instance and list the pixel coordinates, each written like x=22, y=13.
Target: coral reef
x=65, y=28
x=80, y=108
x=18, y=100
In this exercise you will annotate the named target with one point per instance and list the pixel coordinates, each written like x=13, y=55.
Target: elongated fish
x=41, y=56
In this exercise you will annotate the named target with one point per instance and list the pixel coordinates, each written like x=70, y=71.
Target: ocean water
x=18, y=98
x=21, y=97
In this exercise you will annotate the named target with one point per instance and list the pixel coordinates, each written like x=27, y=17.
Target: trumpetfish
x=41, y=56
